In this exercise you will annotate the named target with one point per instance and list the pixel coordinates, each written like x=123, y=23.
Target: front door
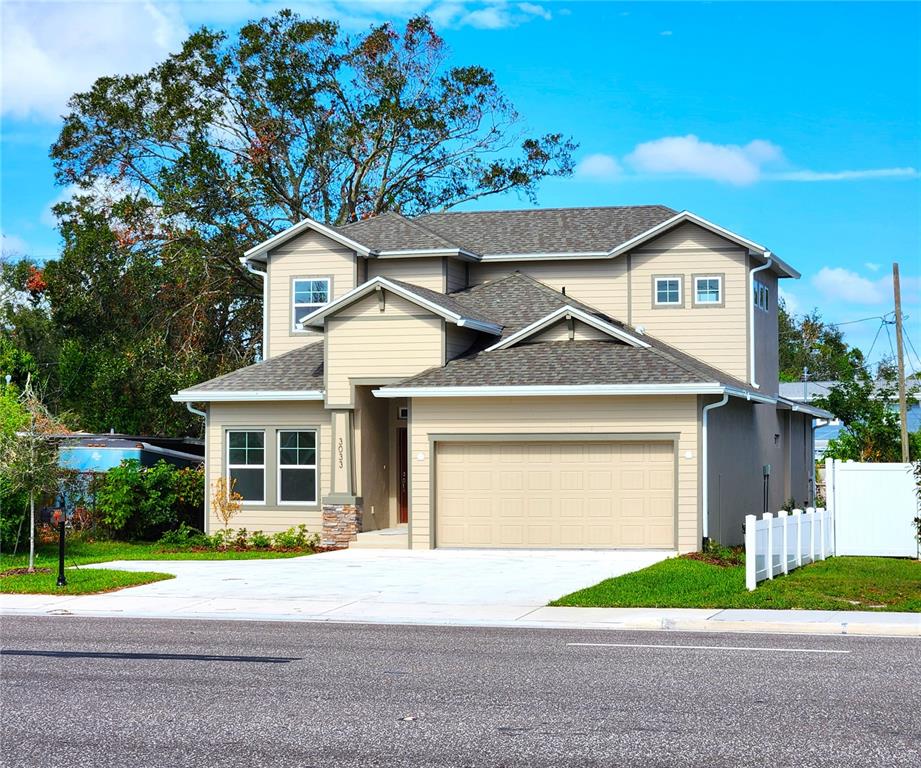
x=402, y=494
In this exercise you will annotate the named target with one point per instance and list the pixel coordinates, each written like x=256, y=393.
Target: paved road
x=120, y=692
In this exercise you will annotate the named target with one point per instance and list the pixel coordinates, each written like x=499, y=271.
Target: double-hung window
x=246, y=464
x=297, y=466
x=667, y=291
x=708, y=290
x=307, y=296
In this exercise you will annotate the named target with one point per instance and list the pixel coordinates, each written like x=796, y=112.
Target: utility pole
x=903, y=408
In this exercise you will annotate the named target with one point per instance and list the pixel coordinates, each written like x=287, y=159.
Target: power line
x=878, y=330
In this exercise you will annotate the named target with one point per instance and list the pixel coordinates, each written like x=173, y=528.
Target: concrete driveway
x=438, y=586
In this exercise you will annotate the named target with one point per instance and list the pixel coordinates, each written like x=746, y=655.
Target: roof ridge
x=556, y=208
x=431, y=231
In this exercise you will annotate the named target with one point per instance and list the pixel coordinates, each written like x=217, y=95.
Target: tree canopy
x=178, y=170
x=808, y=342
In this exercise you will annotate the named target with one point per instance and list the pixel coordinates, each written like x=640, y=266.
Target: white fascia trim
x=744, y=394
x=565, y=312
x=545, y=256
x=459, y=253
x=296, y=229
x=580, y=390
x=226, y=395
x=373, y=284
x=798, y=406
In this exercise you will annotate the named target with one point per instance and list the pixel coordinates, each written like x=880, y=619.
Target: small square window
x=307, y=296
x=668, y=291
x=708, y=290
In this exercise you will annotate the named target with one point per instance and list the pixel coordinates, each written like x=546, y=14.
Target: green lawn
x=81, y=552
x=839, y=583
x=81, y=582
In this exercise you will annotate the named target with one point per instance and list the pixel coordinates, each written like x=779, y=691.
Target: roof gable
x=569, y=312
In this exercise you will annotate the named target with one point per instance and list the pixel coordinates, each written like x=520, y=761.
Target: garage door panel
x=555, y=494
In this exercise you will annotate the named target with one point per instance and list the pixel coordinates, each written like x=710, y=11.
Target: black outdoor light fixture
x=62, y=580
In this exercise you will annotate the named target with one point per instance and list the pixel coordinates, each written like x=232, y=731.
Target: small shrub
x=296, y=538
x=259, y=540
x=225, y=501
x=184, y=537
x=241, y=540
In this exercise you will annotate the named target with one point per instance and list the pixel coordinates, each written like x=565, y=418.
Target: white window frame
x=315, y=467
x=655, y=291
x=295, y=305
x=762, y=297
x=228, y=465
x=719, y=296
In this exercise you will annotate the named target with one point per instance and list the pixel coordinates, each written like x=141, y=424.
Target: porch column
x=342, y=508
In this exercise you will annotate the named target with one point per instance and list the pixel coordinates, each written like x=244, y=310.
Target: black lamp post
x=62, y=580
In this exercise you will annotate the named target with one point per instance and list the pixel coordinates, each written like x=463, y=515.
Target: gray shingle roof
x=449, y=301
x=393, y=232
x=546, y=230
x=538, y=230
x=559, y=363
x=298, y=370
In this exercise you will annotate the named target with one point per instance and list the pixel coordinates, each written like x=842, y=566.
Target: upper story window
x=708, y=290
x=667, y=291
x=307, y=296
x=762, y=296
x=246, y=464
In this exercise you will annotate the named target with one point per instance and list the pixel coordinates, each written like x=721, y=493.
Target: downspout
x=265, y=321
x=197, y=412
x=704, y=462
x=207, y=504
x=751, y=315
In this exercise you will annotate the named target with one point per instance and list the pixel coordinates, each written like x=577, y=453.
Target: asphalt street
x=146, y=692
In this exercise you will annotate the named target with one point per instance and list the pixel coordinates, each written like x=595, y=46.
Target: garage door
x=555, y=494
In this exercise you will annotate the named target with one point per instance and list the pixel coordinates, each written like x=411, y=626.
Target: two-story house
x=555, y=378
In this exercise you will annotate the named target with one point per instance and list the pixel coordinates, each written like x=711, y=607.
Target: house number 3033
x=340, y=453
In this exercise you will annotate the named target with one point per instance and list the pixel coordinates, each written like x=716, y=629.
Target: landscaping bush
x=296, y=538
x=187, y=538
x=143, y=503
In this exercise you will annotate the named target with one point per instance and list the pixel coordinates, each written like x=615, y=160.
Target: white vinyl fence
x=777, y=544
x=873, y=505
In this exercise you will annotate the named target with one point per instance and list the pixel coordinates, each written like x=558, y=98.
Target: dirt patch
x=730, y=560
x=22, y=571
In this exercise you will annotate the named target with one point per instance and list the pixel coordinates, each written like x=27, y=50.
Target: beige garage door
x=555, y=494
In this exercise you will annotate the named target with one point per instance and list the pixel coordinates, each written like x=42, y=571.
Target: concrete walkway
x=443, y=587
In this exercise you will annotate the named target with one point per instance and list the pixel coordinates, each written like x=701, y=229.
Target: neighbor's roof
x=793, y=390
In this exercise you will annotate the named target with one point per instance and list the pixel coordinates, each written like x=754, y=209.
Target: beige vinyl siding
x=373, y=430
x=601, y=283
x=456, y=274
x=514, y=417
x=427, y=272
x=766, y=342
x=457, y=340
x=269, y=417
x=560, y=332
x=364, y=342
x=716, y=335
x=309, y=255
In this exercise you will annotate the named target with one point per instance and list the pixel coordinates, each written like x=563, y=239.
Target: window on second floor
x=762, y=296
x=307, y=296
x=668, y=292
x=708, y=290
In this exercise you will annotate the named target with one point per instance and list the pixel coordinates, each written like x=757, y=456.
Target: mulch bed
x=22, y=571
x=722, y=562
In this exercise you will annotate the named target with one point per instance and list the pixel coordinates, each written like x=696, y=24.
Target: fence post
x=798, y=522
x=821, y=513
x=811, y=512
x=769, y=553
x=783, y=515
x=751, y=552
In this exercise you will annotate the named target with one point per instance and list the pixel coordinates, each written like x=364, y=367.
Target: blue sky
x=796, y=125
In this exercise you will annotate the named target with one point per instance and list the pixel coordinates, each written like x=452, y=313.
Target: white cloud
x=843, y=285
x=599, y=166
x=493, y=15
x=872, y=266
x=729, y=163
x=869, y=173
x=53, y=49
